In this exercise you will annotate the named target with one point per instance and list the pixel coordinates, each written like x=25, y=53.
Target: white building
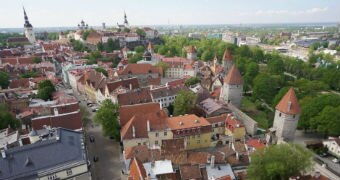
x=232, y=89
x=333, y=145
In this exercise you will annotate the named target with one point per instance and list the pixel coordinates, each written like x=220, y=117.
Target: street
x=108, y=166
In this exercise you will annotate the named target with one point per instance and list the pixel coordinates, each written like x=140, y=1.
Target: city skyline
x=152, y=12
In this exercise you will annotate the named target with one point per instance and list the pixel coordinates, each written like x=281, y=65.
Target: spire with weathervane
x=28, y=29
x=126, y=23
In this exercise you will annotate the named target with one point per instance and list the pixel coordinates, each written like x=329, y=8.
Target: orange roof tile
x=255, y=143
x=137, y=170
x=233, y=76
x=128, y=111
x=289, y=103
x=186, y=121
x=227, y=55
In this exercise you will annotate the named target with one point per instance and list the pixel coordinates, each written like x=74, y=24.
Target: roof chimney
x=212, y=161
x=133, y=131
x=3, y=154
x=148, y=125
x=56, y=111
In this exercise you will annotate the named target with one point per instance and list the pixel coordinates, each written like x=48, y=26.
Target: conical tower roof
x=233, y=76
x=289, y=103
x=227, y=55
x=150, y=45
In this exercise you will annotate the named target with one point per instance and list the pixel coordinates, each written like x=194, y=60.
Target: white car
x=336, y=160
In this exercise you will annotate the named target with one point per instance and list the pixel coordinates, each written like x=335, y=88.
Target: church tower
x=150, y=48
x=287, y=115
x=126, y=22
x=28, y=29
x=227, y=61
x=192, y=53
x=231, y=91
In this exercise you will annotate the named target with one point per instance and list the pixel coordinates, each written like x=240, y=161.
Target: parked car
x=336, y=160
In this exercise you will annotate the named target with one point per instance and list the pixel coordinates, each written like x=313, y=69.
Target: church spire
x=125, y=19
x=27, y=23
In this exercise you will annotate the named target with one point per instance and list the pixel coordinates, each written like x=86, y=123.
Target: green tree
x=107, y=116
x=327, y=121
x=111, y=45
x=29, y=74
x=127, y=30
x=139, y=49
x=252, y=70
x=45, y=90
x=136, y=57
x=36, y=60
x=4, y=80
x=192, y=81
x=207, y=55
x=103, y=71
x=184, y=102
x=7, y=119
x=140, y=32
x=100, y=46
x=264, y=87
x=312, y=106
x=276, y=66
x=164, y=66
x=85, y=116
x=258, y=54
x=279, y=162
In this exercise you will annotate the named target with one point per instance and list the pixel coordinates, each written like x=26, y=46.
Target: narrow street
x=108, y=166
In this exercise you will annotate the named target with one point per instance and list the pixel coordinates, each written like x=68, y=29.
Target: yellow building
x=234, y=128
x=196, y=131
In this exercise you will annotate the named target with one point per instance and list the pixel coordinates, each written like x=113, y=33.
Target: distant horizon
x=64, y=13
x=165, y=25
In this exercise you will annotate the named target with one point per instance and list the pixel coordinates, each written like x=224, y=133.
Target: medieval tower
x=287, y=114
x=232, y=89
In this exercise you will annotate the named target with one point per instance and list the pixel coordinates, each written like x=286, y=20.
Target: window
x=165, y=133
x=280, y=115
x=139, y=144
x=156, y=142
x=198, y=141
x=52, y=177
x=144, y=143
x=294, y=116
x=69, y=172
x=156, y=134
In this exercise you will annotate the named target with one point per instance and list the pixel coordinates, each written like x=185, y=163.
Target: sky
x=52, y=13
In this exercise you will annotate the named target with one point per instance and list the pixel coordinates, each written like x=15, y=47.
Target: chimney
x=133, y=131
x=212, y=161
x=289, y=105
x=3, y=154
x=56, y=111
x=130, y=86
x=317, y=174
x=148, y=125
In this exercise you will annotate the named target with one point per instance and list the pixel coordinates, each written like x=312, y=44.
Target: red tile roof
x=136, y=96
x=233, y=76
x=137, y=170
x=186, y=121
x=123, y=83
x=190, y=172
x=126, y=112
x=232, y=123
x=135, y=69
x=17, y=83
x=217, y=119
x=227, y=55
x=255, y=143
x=68, y=121
x=289, y=103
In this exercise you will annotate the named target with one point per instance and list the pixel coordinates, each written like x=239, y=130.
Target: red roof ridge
x=289, y=103
x=233, y=76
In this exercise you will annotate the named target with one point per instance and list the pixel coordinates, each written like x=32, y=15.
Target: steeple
x=126, y=23
x=27, y=23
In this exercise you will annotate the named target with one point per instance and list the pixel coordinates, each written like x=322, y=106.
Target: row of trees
x=109, y=46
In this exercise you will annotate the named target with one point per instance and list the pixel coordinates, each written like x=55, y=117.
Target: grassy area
x=264, y=118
